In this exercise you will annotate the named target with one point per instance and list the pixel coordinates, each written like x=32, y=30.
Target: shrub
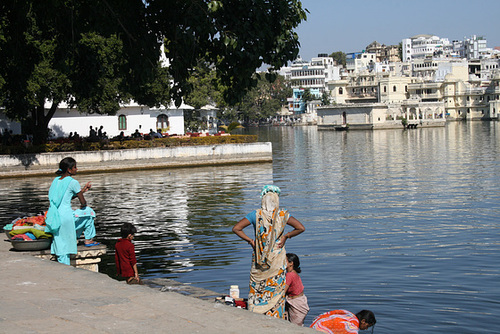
x=68, y=146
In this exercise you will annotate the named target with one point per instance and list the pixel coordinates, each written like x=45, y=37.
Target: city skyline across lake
x=350, y=26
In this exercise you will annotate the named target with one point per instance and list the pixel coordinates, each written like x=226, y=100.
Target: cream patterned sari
x=267, y=276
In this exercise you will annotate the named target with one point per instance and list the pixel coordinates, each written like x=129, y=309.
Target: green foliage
x=205, y=89
x=231, y=127
x=339, y=57
x=98, y=54
x=307, y=96
x=264, y=100
x=193, y=122
x=325, y=98
x=236, y=37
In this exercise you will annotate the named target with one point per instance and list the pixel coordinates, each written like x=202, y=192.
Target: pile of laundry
x=28, y=228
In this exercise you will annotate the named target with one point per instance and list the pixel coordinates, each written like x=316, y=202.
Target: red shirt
x=295, y=286
x=125, y=257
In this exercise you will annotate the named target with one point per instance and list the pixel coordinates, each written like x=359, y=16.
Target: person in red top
x=296, y=301
x=126, y=263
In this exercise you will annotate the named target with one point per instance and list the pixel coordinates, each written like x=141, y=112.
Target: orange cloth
x=336, y=322
x=30, y=221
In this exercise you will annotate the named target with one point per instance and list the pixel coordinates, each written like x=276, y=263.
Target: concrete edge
x=141, y=159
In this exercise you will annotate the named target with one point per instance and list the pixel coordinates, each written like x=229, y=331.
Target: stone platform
x=87, y=257
x=42, y=296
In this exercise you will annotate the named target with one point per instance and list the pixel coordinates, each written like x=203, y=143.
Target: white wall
x=66, y=121
x=5, y=123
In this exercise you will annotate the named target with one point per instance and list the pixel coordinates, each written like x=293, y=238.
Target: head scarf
x=270, y=200
x=270, y=188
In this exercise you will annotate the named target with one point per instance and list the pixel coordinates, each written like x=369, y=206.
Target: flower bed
x=67, y=145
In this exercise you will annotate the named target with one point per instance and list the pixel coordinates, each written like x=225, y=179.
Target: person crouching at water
x=126, y=262
x=344, y=322
x=296, y=301
x=62, y=220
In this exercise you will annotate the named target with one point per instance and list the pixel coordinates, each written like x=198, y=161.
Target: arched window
x=162, y=122
x=393, y=88
x=341, y=91
x=122, y=122
x=385, y=89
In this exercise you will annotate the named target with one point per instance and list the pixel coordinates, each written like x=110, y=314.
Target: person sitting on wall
x=137, y=134
x=121, y=137
x=100, y=132
x=92, y=135
x=154, y=134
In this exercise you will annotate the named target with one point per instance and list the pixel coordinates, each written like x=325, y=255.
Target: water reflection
x=401, y=222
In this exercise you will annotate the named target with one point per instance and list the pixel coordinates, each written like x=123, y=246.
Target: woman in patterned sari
x=267, y=276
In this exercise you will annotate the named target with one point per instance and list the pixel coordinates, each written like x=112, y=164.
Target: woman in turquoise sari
x=66, y=224
x=267, y=275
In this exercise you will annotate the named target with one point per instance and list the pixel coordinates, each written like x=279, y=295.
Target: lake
x=404, y=223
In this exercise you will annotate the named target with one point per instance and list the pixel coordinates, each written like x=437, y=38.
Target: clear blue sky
x=349, y=26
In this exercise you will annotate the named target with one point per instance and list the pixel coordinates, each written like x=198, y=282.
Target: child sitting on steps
x=126, y=263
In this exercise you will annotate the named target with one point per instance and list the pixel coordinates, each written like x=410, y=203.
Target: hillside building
x=425, y=46
x=384, y=53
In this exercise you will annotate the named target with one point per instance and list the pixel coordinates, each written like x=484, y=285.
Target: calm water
x=405, y=223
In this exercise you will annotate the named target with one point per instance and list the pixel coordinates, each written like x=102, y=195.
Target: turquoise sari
x=65, y=223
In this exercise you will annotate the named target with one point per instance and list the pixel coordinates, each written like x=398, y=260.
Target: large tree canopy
x=98, y=53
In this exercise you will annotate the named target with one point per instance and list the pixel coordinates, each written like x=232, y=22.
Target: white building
x=424, y=46
x=360, y=61
x=129, y=118
x=313, y=74
x=475, y=47
x=488, y=66
x=435, y=69
x=208, y=114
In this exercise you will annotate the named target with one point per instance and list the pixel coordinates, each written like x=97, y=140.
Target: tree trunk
x=41, y=122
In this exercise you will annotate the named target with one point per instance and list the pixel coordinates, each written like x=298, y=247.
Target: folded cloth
x=30, y=235
x=37, y=233
x=30, y=221
x=22, y=237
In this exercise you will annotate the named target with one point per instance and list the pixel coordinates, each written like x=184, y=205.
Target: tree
x=307, y=96
x=339, y=57
x=96, y=54
x=231, y=127
x=91, y=54
x=325, y=98
x=264, y=100
x=205, y=88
